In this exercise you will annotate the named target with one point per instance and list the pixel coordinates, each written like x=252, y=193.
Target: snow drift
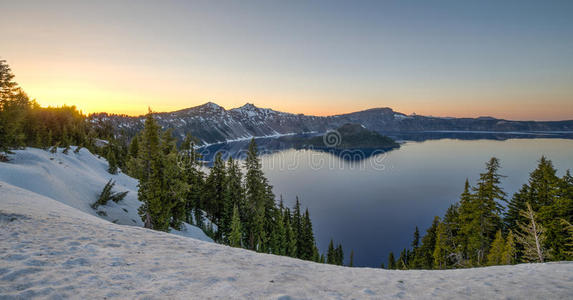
x=77, y=179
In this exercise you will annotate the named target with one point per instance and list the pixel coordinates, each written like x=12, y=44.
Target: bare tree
x=531, y=236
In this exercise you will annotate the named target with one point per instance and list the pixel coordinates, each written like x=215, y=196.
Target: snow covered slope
x=51, y=250
x=77, y=179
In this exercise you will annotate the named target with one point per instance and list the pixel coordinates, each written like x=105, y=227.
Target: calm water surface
x=372, y=206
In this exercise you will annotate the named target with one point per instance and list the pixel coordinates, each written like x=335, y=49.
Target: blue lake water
x=373, y=205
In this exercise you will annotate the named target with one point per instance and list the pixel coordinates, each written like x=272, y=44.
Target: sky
x=507, y=59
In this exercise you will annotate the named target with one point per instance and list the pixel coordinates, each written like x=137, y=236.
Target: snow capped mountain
x=212, y=123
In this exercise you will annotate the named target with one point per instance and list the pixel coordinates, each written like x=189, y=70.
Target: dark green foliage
x=236, y=234
x=334, y=255
x=497, y=250
x=351, y=263
x=155, y=163
x=107, y=194
x=391, y=261
x=472, y=231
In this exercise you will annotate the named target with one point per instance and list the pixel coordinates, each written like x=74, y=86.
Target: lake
x=372, y=205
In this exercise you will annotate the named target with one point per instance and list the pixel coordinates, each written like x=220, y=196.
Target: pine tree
x=155, y=211
x=509, y=254
x=441, y=249
x=512, y=216
x=482, y=213
x=233, y=195
x=107, y=194
x=216, y=185
x=339, y=255
x=391, y=261
x=416, y=240
x=569, y=243
x=426, y=250
x=112, y=161
x=307, y=241
x=532, y=237
x=497, y=250
x=330, y=253
x=236, y=235
x=291, y=249
x=256, y=197
x=297, y=226
x=351, y=264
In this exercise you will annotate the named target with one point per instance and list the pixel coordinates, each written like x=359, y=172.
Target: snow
x=53, y=250
x=76, y=179
x=54, y=246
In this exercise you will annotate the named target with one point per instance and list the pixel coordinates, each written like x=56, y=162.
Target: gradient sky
x=509, y=59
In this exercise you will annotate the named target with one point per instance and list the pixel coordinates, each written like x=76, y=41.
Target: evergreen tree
x=256, y=197
x=416, y=240
x=233, y=195
x=351, y=264
x=391, y=261
x=425, y=255
x=441, y=249
x=509, y=254
x=330, y=253
x=156, y=209
x=216, y=191
x=497, y=250
x=297, y=226
x=339, y=255
x=307, y=241
x=112, y=161
x=236, y=235
x=291, y=249
x=482, y=214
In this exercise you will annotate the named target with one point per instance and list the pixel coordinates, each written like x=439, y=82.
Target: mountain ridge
x=212, y=123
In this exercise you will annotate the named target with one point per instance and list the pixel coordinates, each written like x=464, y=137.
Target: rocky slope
x=212, y=123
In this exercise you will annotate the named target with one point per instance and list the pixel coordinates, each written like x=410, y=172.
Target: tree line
x=484, y=228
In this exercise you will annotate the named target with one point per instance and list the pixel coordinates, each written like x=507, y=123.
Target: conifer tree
x=256, y=197
x=509, y=254
x=330, y=253
x=482, y=213
x=441, y=250
x=307, y=239
x=233, y=195
x=291, y=249
x=391, y=261
x=216, y=191
x=351, y=264
x=155, y=211
x=112, y=161
x=236, y=235
x=339, y=255
x=426, y=250
x=297, y=226
x=497, y=250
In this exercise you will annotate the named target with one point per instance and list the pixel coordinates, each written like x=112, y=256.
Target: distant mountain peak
x=249, y=106
x=211, y=105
